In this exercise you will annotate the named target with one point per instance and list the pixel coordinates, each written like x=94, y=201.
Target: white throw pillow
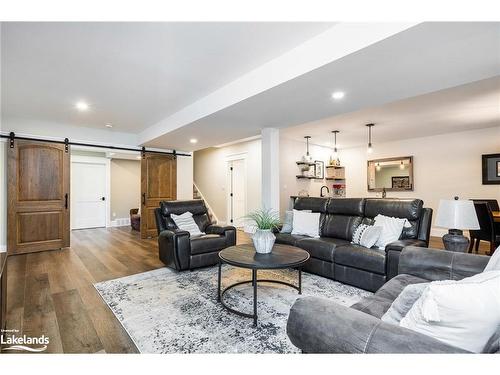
x=463, y=313
x=288, y=221
x=306, y=223
x=494, y=262
x=187, y=223
x=366, y=235
x=392, y=227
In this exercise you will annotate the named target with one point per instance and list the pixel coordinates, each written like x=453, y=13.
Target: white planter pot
x=263, y=241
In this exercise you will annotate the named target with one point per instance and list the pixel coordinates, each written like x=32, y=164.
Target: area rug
x=164, y=311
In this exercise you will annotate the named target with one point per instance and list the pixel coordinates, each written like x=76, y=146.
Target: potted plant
x=265, y=220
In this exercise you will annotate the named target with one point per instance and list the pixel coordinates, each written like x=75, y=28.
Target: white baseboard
x=3, y=248
x=120, y=222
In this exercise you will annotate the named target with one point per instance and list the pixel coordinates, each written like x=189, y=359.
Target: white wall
x=184, y=177
x=210, y=175
x=444, y=166
x=3, y=196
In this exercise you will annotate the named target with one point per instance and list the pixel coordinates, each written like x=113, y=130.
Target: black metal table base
x=254, y=281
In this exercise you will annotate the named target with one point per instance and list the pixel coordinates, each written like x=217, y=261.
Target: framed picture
x=491, y=169
x=401, y=182
x=319, y=169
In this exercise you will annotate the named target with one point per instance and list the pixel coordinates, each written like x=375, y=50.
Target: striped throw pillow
x=187, y=223
x=366, y=235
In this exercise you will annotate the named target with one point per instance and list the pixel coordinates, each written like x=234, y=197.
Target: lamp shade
x=457, y=214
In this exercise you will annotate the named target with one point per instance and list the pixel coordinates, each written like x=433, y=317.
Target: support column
x=270, y=168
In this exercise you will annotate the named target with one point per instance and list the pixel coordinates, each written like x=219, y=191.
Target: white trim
x=231, y=158
x=95, y=160
x=3, y=248
x=248, y=139
x=120, y=222
x=206, y=203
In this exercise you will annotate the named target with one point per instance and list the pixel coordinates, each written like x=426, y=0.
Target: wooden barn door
x=38, y=196
x=158, y=183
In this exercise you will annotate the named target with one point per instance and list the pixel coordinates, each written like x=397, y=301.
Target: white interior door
x=88, y=194
x=237, y=192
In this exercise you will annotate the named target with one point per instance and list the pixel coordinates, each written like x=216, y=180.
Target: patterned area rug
x=168, y=312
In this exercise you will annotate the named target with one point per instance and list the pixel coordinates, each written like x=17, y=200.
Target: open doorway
x=105, y=187
x=236, y=188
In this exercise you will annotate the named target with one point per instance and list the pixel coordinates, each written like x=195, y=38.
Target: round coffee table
x=244, y=256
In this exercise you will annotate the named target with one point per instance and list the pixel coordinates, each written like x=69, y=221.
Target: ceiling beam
x=340, y=40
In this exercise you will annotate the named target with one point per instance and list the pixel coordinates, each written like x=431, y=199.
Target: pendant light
x=307, y=158
x=335, y=151
x=370, y=148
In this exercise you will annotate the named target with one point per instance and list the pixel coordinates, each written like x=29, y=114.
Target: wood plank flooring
x=51, y=292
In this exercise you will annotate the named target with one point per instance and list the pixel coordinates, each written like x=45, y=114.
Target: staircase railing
x=211, y=212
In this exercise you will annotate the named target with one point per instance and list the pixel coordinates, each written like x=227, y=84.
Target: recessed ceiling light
x=109, y=125
x=337, y=95
x=82, y=106
x=193, y=140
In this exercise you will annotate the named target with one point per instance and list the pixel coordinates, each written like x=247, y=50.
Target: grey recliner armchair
x=317, y=325
x=176, y=247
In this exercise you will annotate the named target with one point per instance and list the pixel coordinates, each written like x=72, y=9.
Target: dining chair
x=493, y=203
x=488, y=230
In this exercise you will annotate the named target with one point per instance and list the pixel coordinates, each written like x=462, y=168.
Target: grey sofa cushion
x=288, y=239
x=321, y=248
x=403, y=303
x=493, y=345
x=378, y=304
x=373, y=305
x=360, y=257
x=393, y=288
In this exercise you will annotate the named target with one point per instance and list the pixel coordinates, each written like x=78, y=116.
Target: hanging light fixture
x=307, y=158
x=335, y=151
x=370, y=148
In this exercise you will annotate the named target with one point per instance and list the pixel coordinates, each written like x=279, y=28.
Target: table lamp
x=456, y=215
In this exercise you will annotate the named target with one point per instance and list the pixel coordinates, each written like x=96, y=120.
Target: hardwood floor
x=51, y=293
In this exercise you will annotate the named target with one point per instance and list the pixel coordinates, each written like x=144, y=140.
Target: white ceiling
x=135, y=75
x=424, y=59
x=471, y=106
x=132, y=74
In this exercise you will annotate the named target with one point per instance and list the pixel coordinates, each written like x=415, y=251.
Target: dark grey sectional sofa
x=317, y=325
x=333, y=255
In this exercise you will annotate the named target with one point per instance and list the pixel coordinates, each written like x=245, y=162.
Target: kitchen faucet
x=321, y=191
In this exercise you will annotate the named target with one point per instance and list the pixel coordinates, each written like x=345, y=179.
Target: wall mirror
x=393, y=174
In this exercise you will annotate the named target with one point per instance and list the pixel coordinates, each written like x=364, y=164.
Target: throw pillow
x=464, y=313
x=187, y=223
x=403, y=303
x=494, y=262
x=366, y=235
x=306, y=223
x=392, y=227
x=288, y=221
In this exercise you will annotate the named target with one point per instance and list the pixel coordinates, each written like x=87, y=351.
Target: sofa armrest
x=393, y=252
x=228, y=231
x=317, y=325
x=434, y=264
x=175, y=248
x=401, y=244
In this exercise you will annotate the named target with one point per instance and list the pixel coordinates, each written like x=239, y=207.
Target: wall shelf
x=305, y=163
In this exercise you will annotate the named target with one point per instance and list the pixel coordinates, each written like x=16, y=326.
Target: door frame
x=229, y=159
x=93, y=160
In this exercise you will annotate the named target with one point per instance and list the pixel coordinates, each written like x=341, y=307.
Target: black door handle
x=143, y=199
x=103, y=198
x=66, y=201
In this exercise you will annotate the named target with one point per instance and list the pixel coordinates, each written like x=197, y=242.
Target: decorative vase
x=263, y=241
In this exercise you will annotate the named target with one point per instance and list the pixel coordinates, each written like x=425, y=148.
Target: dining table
x=496, y=216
